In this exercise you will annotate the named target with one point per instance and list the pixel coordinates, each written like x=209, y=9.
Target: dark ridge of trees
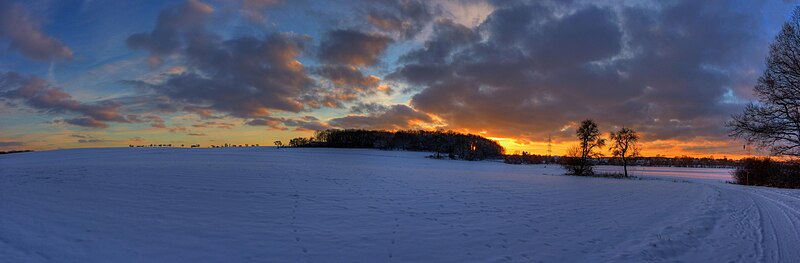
x=677, y=161
x=652, y=161
x=768, y=172
x=194, y=145
x=774, y=122
x=150, y=145
x=527, y=158
x=447, y=144
x=15, y=151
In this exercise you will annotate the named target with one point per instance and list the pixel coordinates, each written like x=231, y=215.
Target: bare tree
x=623, y=145
x=773, y=122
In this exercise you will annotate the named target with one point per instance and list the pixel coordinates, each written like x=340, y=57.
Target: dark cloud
x=184, y=130
x=214, y=124
x=405, y=18
x=205, y=112
x=86, y=122
x=252, y=77
x=394, y=117
x=91, y=141
x=364, y=108
x=37, y=94
x=344, y=76
x=272, y=122
x=278, y=123
x=347, y=83
x=307, y=123
x=87, y=138
x=663, y=68
x=351, y=47
x=447, y=37
x=174, y=26
x=344, y=53
x=155, y=121
x=23, y=33
x=244, y=77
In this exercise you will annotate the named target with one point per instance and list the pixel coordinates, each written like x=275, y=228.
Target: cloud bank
x=664, y=68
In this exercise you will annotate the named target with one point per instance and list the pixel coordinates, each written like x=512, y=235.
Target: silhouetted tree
x=278, y=144
x=774, y=122
x=589, y=141
x=623, y=145
x=299, y=142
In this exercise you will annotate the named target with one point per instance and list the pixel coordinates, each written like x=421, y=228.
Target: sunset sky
x=111, y=73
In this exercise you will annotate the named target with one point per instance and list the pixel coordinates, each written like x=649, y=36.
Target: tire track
x=774, y=221
x=785, y=243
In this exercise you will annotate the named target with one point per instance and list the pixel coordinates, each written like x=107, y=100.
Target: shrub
x=575, y=166
x=579, y=158
x=575, y=163
x=767, y=172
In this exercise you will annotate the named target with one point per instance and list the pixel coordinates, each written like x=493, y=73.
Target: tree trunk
x=625, y=166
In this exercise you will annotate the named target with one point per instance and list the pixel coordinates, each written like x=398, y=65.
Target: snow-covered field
x=339, y=205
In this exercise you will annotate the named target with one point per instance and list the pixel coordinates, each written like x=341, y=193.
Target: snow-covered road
x=340, y=205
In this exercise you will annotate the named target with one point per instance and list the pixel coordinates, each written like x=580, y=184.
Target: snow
x=698, y=174
x=352, y=205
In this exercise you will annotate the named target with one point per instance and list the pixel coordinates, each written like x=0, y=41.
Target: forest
x=445, y=144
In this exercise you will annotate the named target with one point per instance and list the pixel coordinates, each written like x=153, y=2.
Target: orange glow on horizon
x=666, y=148
x=257, y=135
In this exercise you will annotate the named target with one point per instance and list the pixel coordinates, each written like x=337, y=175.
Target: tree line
x=444, y=144
x=15, y=151
x=192, y=145
x=677, y=161
x=658, y=160
x=528, y=158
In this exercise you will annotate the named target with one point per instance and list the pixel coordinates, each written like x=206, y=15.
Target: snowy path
x=772, y=216
x=778, y=220
x=335, y=205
